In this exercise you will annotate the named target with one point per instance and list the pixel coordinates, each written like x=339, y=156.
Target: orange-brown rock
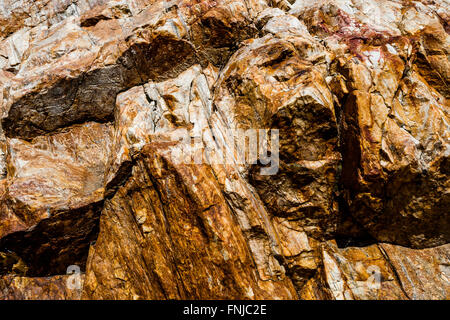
x=278, y=82
x=169, y=233
x=228, y=149
x=381, y=272
x=42, y=288
x=50, y=213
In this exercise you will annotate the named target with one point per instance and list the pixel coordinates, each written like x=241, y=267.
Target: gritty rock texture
x=42, y=288
x=123, y=134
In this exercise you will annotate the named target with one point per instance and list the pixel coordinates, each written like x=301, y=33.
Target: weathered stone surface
x=380, y=271
x=186, y=102
x=424, y=274
x=278, y=82
x=73, y=70
x=353, y=273
x=124, y=135
x=50, y=213
x=45, y=288
x=75, y=164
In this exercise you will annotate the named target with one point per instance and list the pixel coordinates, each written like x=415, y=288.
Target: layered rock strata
x=232, y=149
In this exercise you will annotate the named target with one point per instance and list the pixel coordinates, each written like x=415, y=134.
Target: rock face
x=233, y=149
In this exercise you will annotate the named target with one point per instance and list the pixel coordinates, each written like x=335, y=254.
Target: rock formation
x=126, y=163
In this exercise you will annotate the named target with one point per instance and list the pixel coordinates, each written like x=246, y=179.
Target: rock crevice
x=126, y=136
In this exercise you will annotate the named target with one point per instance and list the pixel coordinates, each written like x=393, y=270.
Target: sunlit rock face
x=235, y=149
x=390, y=77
